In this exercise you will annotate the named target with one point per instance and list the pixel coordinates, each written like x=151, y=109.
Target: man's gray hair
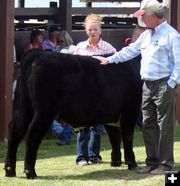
x=158, y=13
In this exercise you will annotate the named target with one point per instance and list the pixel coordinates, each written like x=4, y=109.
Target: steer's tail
x=22, y=98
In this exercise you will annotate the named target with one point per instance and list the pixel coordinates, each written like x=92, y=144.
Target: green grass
x=56, y=166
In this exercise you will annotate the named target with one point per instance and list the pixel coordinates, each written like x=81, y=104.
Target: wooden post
x=65, y=17
x=88, y=4
x=21, y=3
x=178, y=16
x=174, y=12
x=6, y=64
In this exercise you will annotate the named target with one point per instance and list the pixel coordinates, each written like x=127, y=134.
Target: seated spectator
x=140, y=28
x=66, y=43
x=14, y=73
x=52, y=42
x=36, y=39
x=64, y=132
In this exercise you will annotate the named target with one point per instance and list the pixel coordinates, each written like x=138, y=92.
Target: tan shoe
x=160, y=170
x=146, y=169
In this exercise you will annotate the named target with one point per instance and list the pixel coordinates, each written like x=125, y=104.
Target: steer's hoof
x=9, y=171
x=116, y=163
x=133, y=166
x=30, y=174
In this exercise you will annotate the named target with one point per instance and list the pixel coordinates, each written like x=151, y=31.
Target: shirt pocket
x=159, y=50
x=161, y=45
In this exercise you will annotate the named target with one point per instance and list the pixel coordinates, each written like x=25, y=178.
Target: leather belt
x=156, y=81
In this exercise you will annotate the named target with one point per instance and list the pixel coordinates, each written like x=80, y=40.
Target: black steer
x=82, y=93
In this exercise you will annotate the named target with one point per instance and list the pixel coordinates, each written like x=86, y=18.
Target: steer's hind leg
x=114, y=134
x=37, y=129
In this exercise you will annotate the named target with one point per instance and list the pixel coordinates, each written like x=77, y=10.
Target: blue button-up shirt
x=48, y=46
x=160, y=54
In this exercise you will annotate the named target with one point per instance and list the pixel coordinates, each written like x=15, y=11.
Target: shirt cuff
x=171, y=83
x=109, y=60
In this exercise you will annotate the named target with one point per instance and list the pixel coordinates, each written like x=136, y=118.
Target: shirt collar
x=157, y=28
x=160, y=25
x=86, y=44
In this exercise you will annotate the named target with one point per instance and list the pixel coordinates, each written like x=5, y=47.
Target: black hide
x=82, y=93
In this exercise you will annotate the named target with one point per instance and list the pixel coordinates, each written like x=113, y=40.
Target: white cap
x=148, y=6
x=141, y=22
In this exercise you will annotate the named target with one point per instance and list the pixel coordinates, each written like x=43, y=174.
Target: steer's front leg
x=38, y=128
x=114, y=134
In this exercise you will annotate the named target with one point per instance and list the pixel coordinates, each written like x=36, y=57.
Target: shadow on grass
x=113, y=173
x=109, y=174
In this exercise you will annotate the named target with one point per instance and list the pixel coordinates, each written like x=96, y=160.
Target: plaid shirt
x=83, y=48
x=160, y=54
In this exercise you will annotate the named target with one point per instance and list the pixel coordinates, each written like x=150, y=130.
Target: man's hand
x=103, y=60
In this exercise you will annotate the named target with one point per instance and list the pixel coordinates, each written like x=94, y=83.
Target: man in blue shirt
x=159, y=47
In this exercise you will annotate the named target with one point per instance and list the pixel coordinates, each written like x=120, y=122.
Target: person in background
x=140, y=28
x=64, y=130
x=94, y=45
x=160, y=70
x=36, y=39
x=15, y=73
x=14, y=54
x=52, y=42
x=66, y=42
